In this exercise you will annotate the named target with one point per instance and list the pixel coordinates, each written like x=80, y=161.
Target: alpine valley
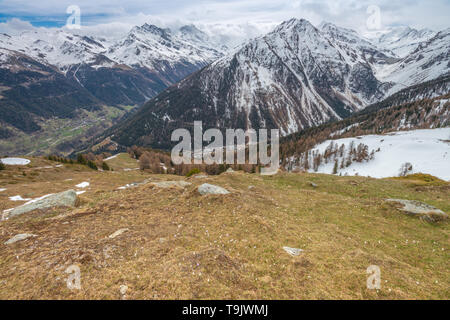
x=94, y=206
x=69, y=92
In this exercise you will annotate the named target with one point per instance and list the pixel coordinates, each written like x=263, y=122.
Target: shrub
x=81, y=159
x=335, y=168
x=2, y=166
x=144, y=161
x=105, y=166
x=405, y=168
x=92, y=165
x=192, y=172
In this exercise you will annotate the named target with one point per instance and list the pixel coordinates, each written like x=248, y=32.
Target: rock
x=230, y=170
x=269, y=172
x=206, y=188
x=293, y=251
x=313, y=185
x=169, y=184
x=20, y=237
x=420, y=209
x=63, y=199
x=200, y=176
x=118, y=233
x=123, y=289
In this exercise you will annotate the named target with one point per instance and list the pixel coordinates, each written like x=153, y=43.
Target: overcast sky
x=235, y=16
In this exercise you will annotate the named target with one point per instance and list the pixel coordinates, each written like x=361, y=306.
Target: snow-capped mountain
x=57, y=48
x=144, y=46
x=403, y=40
x=36, y=66
x=156, y=48
x=353, y=47
x=295, y=77
x=429, y=60
x=292, y=78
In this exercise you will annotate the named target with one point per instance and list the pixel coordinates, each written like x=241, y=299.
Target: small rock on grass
x=169, y=184
x=206, y=188
x=313, y=185
x=20, y=237
x=293, y=251
x=118, y=233
x=123, y=289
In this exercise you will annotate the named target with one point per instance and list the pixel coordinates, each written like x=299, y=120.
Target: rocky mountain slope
x=297, y=76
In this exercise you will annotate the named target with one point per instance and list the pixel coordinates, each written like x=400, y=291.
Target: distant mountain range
x=54, y=73
x=295, y=77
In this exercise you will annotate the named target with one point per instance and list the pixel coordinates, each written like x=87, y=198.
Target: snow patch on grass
x=83, y=185
x=15, y=161
x=18, y=198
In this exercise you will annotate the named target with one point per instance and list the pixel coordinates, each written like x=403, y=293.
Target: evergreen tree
x=105, y=166
x=92, y=165
x=335, y=169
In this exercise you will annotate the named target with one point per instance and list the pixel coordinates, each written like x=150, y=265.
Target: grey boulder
x=207, y=188
x=20, y=237
x=420, y=209
x=63, y=199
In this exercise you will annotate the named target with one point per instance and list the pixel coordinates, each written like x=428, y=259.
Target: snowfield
x=15, y=161
x=427, y=150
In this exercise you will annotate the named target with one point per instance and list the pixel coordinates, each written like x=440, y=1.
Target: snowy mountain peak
x=295, y=25
x=403, y=40
x=152, y=29
x=192, y=32
x=331, y=28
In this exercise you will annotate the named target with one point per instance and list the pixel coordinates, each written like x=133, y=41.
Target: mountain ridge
x=295, y=77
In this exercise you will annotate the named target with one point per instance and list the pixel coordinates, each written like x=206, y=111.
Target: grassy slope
x=183, y=245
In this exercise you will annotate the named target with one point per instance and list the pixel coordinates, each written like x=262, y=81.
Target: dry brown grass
x=181, y=245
